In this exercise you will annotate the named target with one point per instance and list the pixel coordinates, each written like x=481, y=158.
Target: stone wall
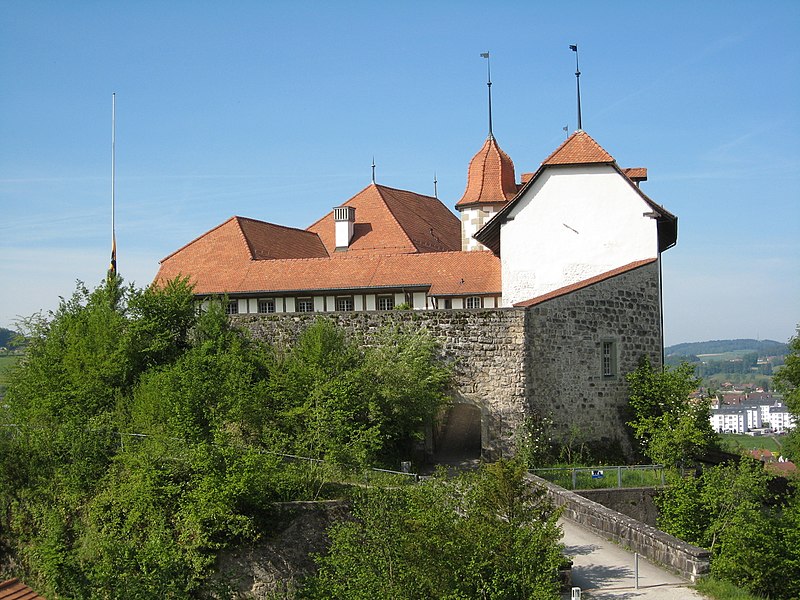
x=637, y=503
x=565, y=338
x=686, y=560
x=484, y=346
x=544, y=361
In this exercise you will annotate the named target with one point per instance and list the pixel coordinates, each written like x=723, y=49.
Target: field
x=6, y=362
x=735, y=442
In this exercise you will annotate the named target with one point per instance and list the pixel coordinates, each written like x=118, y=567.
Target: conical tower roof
x=490, y=179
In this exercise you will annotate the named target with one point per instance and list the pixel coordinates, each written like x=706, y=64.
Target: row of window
x=343, y=304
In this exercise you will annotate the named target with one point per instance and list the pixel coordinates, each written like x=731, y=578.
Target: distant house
x=735, y=419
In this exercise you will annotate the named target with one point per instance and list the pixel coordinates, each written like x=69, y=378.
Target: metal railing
x=615, y=476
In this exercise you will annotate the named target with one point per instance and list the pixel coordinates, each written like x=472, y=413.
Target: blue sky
x=274, y=110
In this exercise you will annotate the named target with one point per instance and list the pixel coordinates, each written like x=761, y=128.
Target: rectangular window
x=385, y=302
x=232, y=308
x=266, y=306
x=344, y=304
x=448, y=303
x=474, y=302
x=305, y=305
x=609, y=359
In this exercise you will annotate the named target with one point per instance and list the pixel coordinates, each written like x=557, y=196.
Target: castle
x=547, y=289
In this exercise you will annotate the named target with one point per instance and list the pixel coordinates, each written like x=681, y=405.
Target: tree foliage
x=145, y=435
x=752, y=535
x=484, y=535
x=788, y=381
x=670, y=427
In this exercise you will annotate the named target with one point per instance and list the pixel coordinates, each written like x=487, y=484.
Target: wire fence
x=592, y=478
x=333, y=470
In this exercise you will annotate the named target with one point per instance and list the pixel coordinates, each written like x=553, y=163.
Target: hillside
x=760, y=347
x=6, y=335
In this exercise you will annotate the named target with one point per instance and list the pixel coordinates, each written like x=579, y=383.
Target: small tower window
x=609, y=358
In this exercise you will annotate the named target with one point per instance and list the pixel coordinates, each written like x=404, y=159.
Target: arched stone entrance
x=459, y=435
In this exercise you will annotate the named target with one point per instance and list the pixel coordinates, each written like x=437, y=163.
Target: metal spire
x=435, y=188
x=574, y=48
x=373, y=169
x=489, y=84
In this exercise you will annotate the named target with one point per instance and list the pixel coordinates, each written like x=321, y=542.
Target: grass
x=631, y=477
x=736, y=442
x=7, y=361
x=719, y=589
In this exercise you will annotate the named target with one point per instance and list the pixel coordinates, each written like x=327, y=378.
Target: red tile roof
x=585, y=283
x=270, y=241
x=14, y=589
x=246, y=238
x=394, y=221
x=490, y=179
x=578, y=149
x=445, y=273
x=636, y=173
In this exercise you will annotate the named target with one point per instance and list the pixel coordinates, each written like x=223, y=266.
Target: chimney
x=344, y=217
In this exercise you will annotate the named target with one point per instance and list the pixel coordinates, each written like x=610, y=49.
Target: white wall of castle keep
x=572, y=224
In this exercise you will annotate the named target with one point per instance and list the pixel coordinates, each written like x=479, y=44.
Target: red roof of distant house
x=14, y=589
x=392, y=221
x=490, y=179
x=780, y=468
x=585, y=283
x=762, y=455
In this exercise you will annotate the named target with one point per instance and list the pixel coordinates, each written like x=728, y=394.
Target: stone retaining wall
x=637, y=503
x=486, y=348
x=684, y=559
x=543, y=362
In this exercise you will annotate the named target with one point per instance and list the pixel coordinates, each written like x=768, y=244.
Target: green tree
x=752, y=535
x=144, y=435
x=787, y=380
x=484, y=535
x=670, y=427
x=349, y=402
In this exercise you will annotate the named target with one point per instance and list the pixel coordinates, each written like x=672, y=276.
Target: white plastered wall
x=572, y=224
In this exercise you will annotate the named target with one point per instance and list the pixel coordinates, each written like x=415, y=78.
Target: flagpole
x=113, y=267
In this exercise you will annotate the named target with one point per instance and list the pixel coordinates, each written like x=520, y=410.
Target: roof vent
x=345, y=218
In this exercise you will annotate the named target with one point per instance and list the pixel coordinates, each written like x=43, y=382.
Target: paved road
x=605, y=571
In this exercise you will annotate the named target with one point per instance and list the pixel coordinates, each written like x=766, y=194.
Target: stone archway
x=459, y=436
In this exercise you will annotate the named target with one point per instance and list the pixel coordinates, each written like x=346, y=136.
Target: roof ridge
x=289, y=227
x=245, y=238
x=394, y=216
